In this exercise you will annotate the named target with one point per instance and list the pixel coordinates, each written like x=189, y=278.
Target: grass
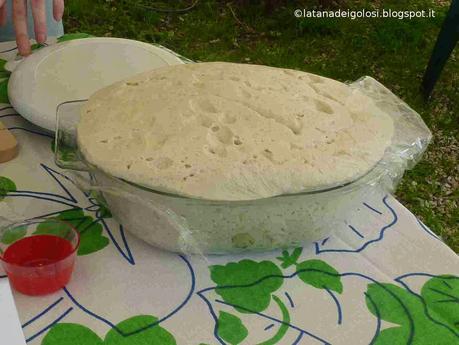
x=393, y=51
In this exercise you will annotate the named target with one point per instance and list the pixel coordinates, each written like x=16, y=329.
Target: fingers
x=2, y=12
x=39, y=19
x=58, y=9
x=20, y=26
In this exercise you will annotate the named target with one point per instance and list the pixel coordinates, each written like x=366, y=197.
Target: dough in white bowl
x=225, y=131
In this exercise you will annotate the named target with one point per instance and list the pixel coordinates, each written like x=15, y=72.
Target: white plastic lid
x=74, y=70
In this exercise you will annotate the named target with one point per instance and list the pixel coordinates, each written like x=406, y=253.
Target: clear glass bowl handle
x=66, y=152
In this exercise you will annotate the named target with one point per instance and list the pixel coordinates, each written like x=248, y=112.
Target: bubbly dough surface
x=225, y=131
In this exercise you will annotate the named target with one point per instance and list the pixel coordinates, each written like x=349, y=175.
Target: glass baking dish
x=190, y=225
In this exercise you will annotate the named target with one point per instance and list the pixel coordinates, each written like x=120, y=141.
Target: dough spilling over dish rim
x=226, y=131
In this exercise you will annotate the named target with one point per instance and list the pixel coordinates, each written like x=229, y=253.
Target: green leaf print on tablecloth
x=4, y=91
x=316, y=273
x=6, y=186
x=249, y=286
x=155, y=335
x=231, y=329
x=256, y=297
x=284, y=326
x=91, y=238
x=290, y=259
x=16, y=233
x=71, y=334
x=4, y=76
x=3, y=72
x=320, y=275
x=422, y=319
x=74, y=334
x=13, y=234
x=441, y=295
x=2, y=65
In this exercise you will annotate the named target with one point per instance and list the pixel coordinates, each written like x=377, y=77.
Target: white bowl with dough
x=183, y=165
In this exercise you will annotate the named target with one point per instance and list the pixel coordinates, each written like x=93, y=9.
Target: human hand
x=39, y=19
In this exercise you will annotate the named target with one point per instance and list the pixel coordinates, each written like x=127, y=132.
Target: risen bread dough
x=225, y=131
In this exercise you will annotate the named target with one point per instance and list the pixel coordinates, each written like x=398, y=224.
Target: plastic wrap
x=189, y=225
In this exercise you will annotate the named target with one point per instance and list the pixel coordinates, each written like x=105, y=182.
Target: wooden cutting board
x=8, y=144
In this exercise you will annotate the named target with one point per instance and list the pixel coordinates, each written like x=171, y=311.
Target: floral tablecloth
x=381, y=278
